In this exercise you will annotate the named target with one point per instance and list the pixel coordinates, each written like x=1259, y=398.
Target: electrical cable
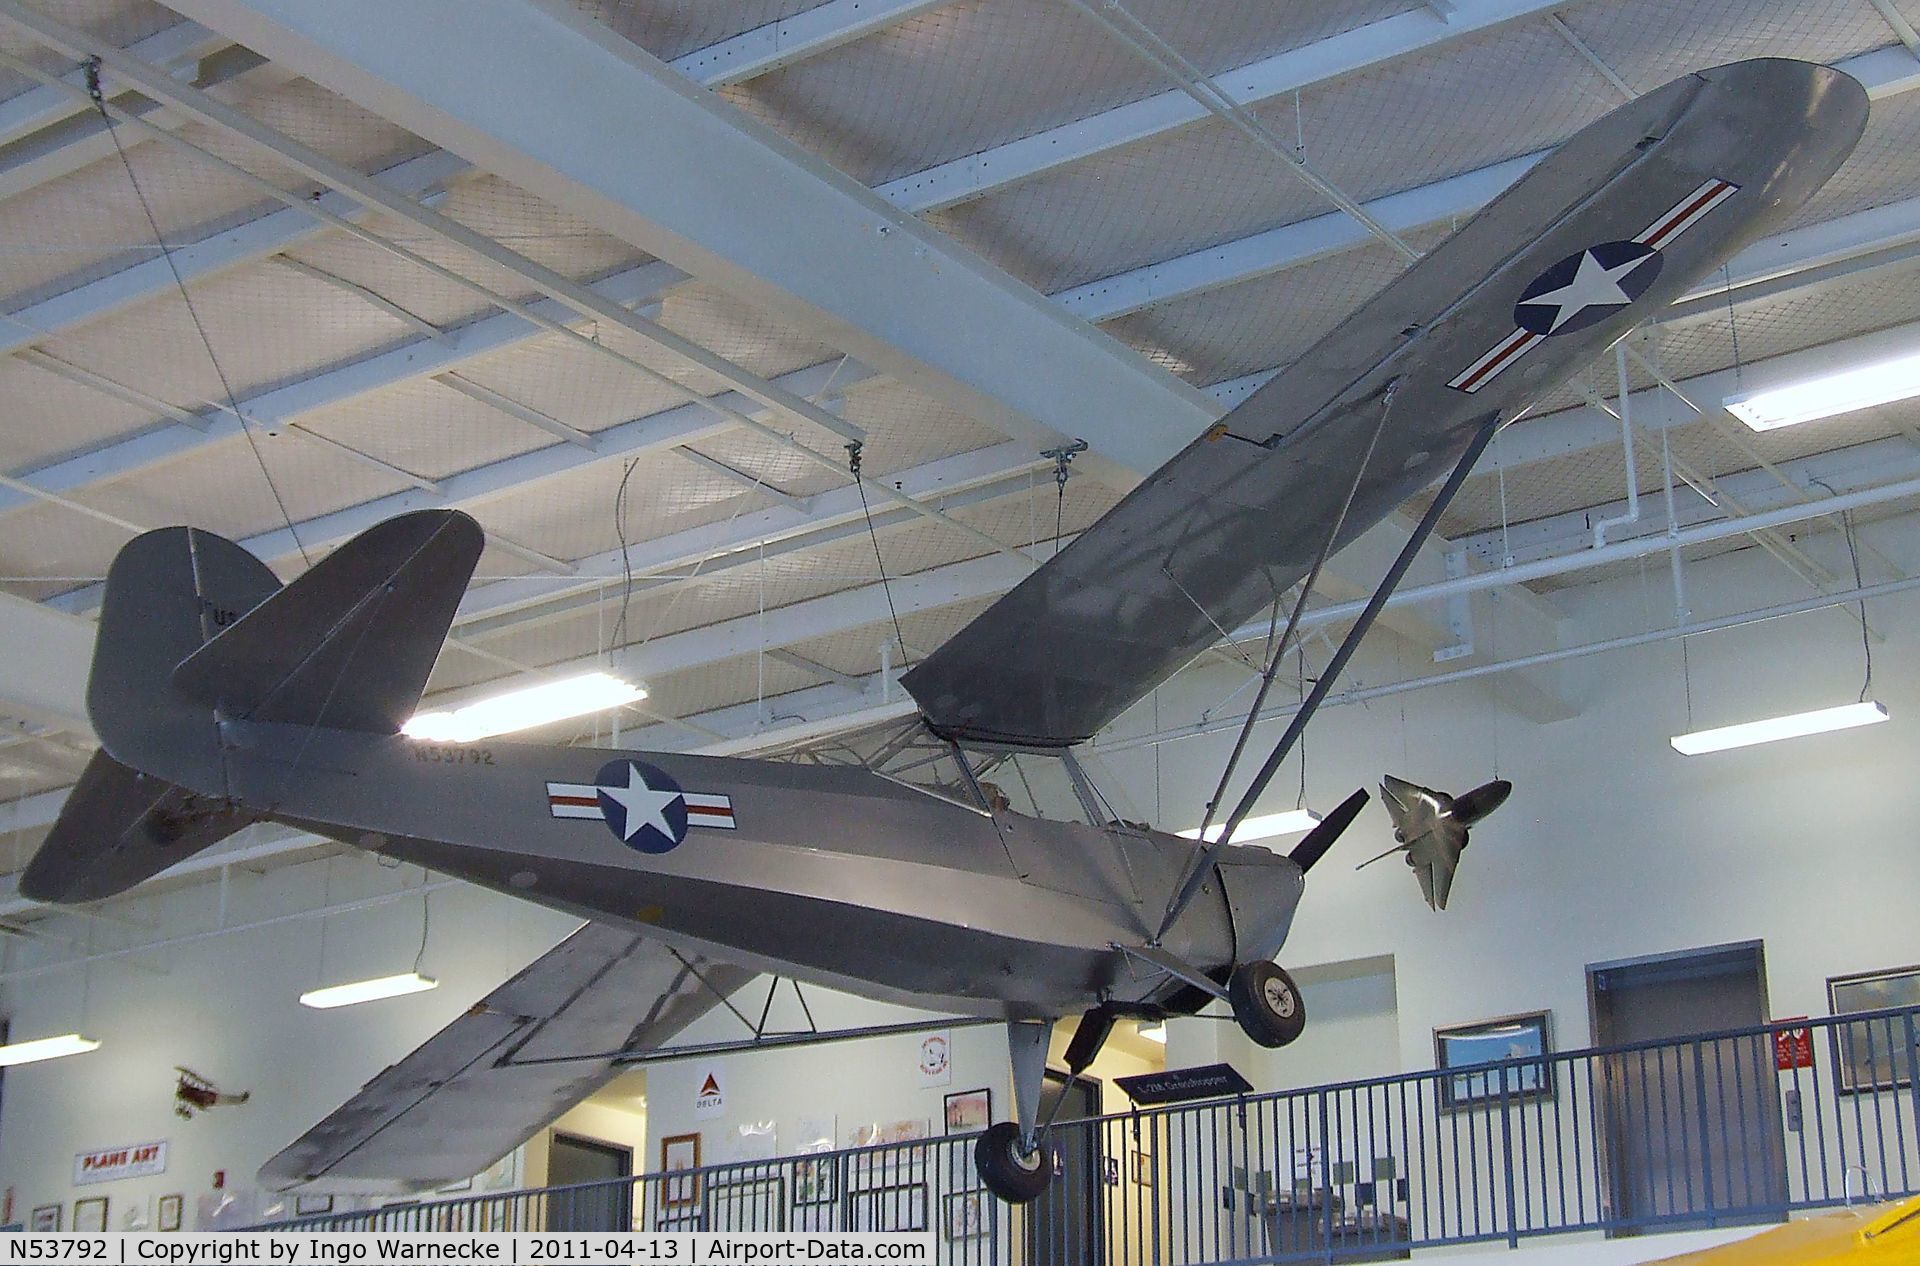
x=626, y=554
x=1859, y=582
x=99, y=99
x=873, y=534
x=426, y=921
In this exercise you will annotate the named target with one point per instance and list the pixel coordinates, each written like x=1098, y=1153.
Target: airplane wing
x=1434, y=858
x=479, y=1087
x=1214, y=536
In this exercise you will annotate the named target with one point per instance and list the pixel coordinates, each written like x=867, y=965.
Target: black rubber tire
x=1267, y=1004
x=1015, y=1178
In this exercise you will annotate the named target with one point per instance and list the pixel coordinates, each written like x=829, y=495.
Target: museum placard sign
x=1177, y=1085
x=134, y=1160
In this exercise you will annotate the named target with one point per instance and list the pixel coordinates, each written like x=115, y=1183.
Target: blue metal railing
x=1718, y=1129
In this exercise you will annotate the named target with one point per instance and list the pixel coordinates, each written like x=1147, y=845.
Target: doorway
x=1063, y=1225
x=607, y=1205
x=1693, y=1129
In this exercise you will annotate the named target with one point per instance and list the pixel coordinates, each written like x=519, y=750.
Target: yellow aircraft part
x=1864, y=1236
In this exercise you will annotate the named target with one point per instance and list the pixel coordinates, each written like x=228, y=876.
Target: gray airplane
x=1430, y=827
x=971, y=862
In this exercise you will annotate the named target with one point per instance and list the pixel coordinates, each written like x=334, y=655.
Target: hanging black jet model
x=222, y=698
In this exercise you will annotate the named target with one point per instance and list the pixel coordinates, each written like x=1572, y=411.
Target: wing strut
x=1311, y=704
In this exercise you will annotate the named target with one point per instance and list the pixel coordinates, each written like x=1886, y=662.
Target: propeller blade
x=1321, y=838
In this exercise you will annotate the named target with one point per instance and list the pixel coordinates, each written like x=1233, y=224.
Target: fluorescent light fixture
x=1266, y=826
x=1861, y=387
x=368, y=990
x=523, y=709
x=45, y=1048
x=1844, y=717
x=1154, y=1032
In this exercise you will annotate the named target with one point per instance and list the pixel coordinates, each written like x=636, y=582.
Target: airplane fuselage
x=830, y=874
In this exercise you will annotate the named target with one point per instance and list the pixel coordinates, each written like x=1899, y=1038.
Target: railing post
x=1913, y=1083
x=1326, y=1178
x=1706, y=1161
x=1506, y=1151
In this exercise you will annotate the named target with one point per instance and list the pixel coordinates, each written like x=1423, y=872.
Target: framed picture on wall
x=90, y=1214
x=308, y=1206
x=680, y=1152
x=1874, y=1054
x=814, y=1180
x=167, y=1216
x=46, y=1217
x=969, y=1111
x=966, y=1215
x=1483, y=1052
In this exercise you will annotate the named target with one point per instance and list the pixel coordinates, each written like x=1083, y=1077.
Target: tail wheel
x=1009, y=1171
x=1267, y=1004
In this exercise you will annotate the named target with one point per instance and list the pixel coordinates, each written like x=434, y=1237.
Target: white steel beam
x=1351, y=52
x=1868, y=238
x=1655, y=409
x=418, y=359
x=730, y=61
x=708, y=188
x=1885, y=72
x=85, y=139
x=43, y=675
x=1843, y=470
x=1875, y=238
x=806, y=34
x=38, y=108
x=246, y=243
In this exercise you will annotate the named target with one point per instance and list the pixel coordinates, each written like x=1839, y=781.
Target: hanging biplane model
x=222, y=698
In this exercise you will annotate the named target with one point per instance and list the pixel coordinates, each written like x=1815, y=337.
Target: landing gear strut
x=1267, y=1003
x=1012, y=1158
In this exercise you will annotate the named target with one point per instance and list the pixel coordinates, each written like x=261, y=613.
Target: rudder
x=169, y=592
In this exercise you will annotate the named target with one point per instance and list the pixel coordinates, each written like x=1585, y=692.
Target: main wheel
x=1014, y=1175
x=1267, y=1003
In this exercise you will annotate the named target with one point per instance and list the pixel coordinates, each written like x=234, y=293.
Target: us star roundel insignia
x=1591, y=285
x=641, y=804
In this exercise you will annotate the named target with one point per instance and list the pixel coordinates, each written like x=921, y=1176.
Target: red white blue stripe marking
x=1676, y=220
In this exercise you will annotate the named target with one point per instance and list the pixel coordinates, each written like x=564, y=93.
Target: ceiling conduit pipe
x=1632, y=514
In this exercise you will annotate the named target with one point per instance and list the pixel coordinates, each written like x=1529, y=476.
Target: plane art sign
x=135, y=1160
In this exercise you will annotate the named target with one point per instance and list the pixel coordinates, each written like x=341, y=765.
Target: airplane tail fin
x=349, y=644
x=195, y=631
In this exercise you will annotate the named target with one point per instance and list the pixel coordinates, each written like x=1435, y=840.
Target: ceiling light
x=1154, y=1032
x=45, y=1048
x=1820, y=721
x=368, y=990
x=523, y=709
x=1266, y=826
x=1861, y=387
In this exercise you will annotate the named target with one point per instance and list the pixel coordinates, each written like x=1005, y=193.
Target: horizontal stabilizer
x=119, y=827
x=349, y=644
x=518, y=1058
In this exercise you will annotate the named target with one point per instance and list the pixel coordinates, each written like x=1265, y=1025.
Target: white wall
x=226, y=1008
x=1613, y=846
